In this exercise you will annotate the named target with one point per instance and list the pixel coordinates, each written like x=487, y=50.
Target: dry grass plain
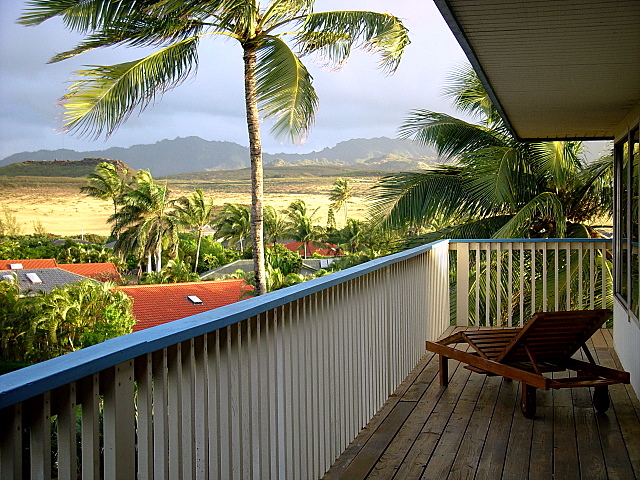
x=57, y=204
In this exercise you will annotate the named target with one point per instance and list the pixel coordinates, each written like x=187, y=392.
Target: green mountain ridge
x=194, y=154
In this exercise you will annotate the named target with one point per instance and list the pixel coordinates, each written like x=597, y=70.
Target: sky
x=357, y=101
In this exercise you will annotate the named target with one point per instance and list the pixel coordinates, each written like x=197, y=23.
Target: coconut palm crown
x=491, y=185
x=277, y=84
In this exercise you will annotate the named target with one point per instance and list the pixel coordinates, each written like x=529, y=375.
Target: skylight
x=15, y=266
x=9, y=278
x=194, y=299
x=34, y=278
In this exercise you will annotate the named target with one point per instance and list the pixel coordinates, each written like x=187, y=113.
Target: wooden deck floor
x=474, y=429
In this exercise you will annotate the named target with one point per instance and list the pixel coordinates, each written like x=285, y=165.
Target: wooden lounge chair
x=546, y=344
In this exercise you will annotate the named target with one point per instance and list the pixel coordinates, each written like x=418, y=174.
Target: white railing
x=276, y=387
x=273, y=387
x=501, y=282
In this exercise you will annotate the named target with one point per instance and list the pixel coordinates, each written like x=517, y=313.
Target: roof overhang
x=555, y=69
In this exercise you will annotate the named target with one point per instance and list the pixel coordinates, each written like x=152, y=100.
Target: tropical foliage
x=233, y=224
x=174, y=271
x=340, y=195
x=195, y=212
x=108, y=182
x=493, y=186
x=277, y=84
x=36, y=328
x=146, y=225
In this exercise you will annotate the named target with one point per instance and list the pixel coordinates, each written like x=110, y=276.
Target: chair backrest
x=553, y=336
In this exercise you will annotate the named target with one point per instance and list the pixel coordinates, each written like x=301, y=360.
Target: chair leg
x=601, y=398
x=444, y=370
x=528, y=404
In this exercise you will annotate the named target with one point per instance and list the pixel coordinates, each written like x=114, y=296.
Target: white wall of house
x=626, y=328
x=626, y=337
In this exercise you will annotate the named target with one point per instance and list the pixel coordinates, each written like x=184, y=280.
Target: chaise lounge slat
x=545, y=344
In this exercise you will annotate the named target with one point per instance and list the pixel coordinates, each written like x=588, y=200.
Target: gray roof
x=244, y=265
x=49, y=277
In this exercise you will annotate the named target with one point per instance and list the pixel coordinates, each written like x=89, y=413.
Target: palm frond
x=105, y=96
x=285, y=89
x=558, y=163
x=415, y=198
x=333, y=35
x=138, y=31
x=478, y=228
x=470, y=97
x=80, y=15
x=282, y=10
x=499, y=177
x=450, y=136
x=545, y=206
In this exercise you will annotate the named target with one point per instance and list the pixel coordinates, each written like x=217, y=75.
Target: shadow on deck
x=474, y=429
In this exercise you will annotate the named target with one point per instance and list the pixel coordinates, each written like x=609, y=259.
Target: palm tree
x=195, y=212
x=275, y=224
x=233, y=224
x=301, y=226
x=108, y=182
x=494, y=185
x=340, y=195
x=277, y=84
x=145, y=222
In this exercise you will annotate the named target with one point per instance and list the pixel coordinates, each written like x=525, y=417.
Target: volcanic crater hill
x=193, y=154
x=58, y=168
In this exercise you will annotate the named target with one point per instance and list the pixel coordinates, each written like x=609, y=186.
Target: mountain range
x=193, y=154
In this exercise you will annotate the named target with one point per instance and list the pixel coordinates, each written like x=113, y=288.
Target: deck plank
x=442, y=459
x=493, y=455
x=473, y=429
x=418, y=456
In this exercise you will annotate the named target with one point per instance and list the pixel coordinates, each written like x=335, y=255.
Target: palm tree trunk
x=195, y=268
x=158, y=258
x=149, y=266
x=257, y=187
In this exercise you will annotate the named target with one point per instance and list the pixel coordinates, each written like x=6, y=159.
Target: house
x=324, y=249
x=570, y=70
x=216, y=273
x=103, y=272
x=35, y=280
x=28, y=263
x=161, y=303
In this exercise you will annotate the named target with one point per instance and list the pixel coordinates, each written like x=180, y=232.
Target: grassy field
x=57, y=204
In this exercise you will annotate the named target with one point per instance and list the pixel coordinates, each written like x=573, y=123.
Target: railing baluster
x=40, y=440
x=462, y=284
x=188, y=410
x=580, y=276
x=144, y=380
x=477, y=285
x=174, y=391
x=11, y=442
x=201, y=404
x=67, y=459
x=119, y=422
x=214, y=409
x=545, y=278
x=160, y=416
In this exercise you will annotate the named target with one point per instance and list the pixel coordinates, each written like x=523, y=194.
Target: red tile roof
x=30, y=263
x=103, y=272
x=326, y=250
x=158, y=304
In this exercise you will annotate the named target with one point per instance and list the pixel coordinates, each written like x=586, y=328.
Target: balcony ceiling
x=556, y=69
